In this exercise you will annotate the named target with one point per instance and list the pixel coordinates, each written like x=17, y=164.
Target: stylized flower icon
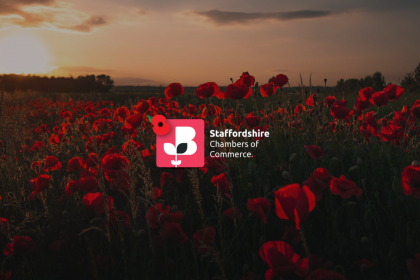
x=160, y=126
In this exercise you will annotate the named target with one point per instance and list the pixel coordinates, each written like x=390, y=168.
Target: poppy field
x=332, y=193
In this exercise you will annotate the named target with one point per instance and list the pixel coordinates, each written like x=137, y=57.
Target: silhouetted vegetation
x=375, y=81
x=88, y=83
x=410, y=83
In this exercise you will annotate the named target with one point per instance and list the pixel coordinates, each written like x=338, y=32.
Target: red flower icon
x=160, y=126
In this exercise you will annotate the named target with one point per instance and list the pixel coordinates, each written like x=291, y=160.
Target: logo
x=179, y=142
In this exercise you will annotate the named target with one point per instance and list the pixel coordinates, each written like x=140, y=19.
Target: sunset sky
x=194, y=41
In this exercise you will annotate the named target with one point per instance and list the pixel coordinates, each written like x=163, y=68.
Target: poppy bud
x=293, y=158
x=326, y=124
x=318, y=90
x=96, y=221
x=65, y=213
x=245, y=270
x=174, y=208
x=359, y=161
x=250, y=185
x=285, y=175
x=335, y=160
x=353, y=169
x=365, y=241
x=256, y=85
x=141, y=233
x=415, y=163
x=231, y=80
x=299, y=101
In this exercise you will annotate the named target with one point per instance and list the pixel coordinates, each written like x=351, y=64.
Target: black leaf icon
x=182, y=148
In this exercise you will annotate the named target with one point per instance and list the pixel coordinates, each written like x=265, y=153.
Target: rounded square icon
x=183, y=146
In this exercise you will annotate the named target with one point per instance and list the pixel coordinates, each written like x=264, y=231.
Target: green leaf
x=150, y=118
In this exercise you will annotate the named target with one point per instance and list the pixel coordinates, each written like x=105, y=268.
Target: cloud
x=87, y=25
x=220, y=18
x=47, y=14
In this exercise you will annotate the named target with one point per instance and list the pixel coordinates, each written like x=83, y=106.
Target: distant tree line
x=88, y=83
x=411, y=82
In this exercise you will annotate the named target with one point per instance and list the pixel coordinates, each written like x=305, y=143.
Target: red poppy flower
x=392, y=133
x=232, y=213
x=314, y=151
x=318, y=181
x=173, y=232
x=33, y=196
x=5, y=276
x=132, y=122
x=21, y=244
x=207, y=90
x=415, y=110
x=246, y=80
x=310, y=101
x=413, y=267
x=299, y=108
x=325, y=274
x=329, y=100
x=52, y=163
x=282, y=260
x=121, y=114
x=379, y=98
x=294, y=203
x=40, y=183
x=238, y=91
x=75, y=163
x=345, y=188
x=130, y=146
x=221, y=182
x=361, y=105
x=394, y=92
x=119, y=217
x=114, y=166
x=340, y=112
x=4, y=225
x=221, y=95
x=88, y=184
x=202, y=239
x=280, y=80
x=165, y=177
x=157, y=193
x=366, y=94
x=174, y=89
x=218, y=164
x=252, y=120
x=95, y=202
x=158, y=215
x=92, y=160
x=268, y=89
x=141, y=107
x=35, y=164
x=260, y=207
x=410, y=179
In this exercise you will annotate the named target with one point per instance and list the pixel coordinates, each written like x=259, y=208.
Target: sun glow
x=23, y=54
